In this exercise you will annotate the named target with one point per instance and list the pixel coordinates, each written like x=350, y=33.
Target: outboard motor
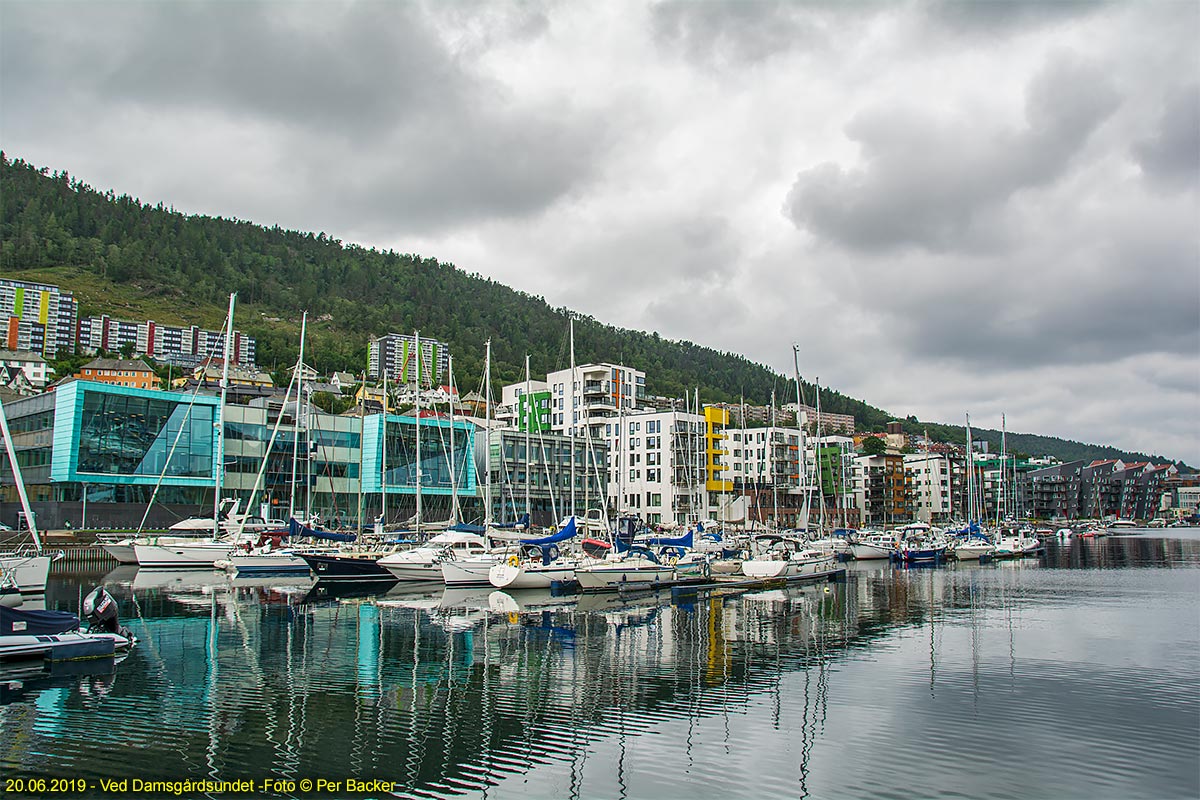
x=101, y=611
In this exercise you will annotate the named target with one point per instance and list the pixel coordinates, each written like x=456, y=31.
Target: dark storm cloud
x=1171, y=155
x=939, y=184
x=364, y=87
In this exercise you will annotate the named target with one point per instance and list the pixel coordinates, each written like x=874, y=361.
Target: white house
x=34, y=366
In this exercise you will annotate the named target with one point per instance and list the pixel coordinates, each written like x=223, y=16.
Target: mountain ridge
x=135, y=260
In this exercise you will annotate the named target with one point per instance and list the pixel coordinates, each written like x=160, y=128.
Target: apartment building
x=657, y=466
x=592, y=395
x=931, y=486
x=184, y=346
x=881, y=489
x=38, y=317
x=397, y=354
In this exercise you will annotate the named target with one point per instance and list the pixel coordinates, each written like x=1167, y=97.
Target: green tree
x=874, y=446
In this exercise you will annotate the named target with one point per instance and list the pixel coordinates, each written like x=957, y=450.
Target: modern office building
x=114, y=444
x=533, y=472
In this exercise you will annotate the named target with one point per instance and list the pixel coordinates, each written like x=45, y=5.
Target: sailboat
x=205, y=553
x=26, y=568
x=542, y=566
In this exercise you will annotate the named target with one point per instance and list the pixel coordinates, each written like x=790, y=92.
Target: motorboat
x=972, y=548
x=424, y=563
x=635, y=567
x=38, y=636
x=867, y=545
x=787, y=557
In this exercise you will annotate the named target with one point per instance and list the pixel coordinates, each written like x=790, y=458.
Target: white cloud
x=951, y=206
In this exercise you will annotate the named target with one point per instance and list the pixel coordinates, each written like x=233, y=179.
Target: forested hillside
x=138, y=261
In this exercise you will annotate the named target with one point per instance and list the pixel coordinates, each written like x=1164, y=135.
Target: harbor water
x=1071, y=675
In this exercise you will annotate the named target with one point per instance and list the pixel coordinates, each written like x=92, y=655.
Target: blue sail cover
x=296, y=529
x=523, y=522
x=567, y=532
x=684, y=541
x=549, y=544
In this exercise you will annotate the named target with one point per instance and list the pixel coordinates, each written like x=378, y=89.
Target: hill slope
x=138, y=261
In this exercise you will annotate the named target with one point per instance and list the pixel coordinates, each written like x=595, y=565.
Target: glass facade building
x=95, y=453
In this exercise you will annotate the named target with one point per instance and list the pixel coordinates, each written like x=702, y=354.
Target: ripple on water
x=1057, y=679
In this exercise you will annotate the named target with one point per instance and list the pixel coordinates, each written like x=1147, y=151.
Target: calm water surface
x=1072, y=676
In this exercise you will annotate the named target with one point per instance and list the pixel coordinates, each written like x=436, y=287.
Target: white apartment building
x=396, y=353
x=764, y=456
x=593, y=394
x=929, y=477
x=656, y=465
x=38, y=317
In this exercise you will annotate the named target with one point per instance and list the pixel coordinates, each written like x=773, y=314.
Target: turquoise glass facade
x=437, y=457
x=118, y=435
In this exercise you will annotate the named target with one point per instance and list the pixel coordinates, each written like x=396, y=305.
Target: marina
x=866, y=686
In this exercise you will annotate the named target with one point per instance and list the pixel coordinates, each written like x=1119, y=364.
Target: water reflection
x=869, y=687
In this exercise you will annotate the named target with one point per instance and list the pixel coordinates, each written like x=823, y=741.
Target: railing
x=84, y=556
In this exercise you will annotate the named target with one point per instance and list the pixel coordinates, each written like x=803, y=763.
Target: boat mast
x=528, y=455
x=221, y=419
x=571, y=419
x=970, y=477
x=1002, y=496
x=19, y=481
x=453, y=474
x=296, y=418
x=417, y=400
x=383, y=452
x=817, y=465
x=362, y=405
x=801, y=477
x=487, y=433
x=771, y=467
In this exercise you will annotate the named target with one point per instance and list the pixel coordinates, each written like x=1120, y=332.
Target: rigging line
x=266, y=458
x=178, y=434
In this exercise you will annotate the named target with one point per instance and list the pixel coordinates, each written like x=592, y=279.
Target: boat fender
x=513, y=560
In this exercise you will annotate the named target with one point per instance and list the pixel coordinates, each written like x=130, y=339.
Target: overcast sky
x=986, y=207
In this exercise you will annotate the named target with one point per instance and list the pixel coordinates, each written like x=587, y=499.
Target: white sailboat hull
x=973, y=552
x=121, y=551
x=790, y=568
x=198, y=555
x=611, y=578
x=473, y=572
x=414, y=571
x=264, y=563
x=867, y=552
x=530, y=576
x=29, y=572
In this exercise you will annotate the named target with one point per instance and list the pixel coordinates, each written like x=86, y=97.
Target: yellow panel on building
x=715, y=422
